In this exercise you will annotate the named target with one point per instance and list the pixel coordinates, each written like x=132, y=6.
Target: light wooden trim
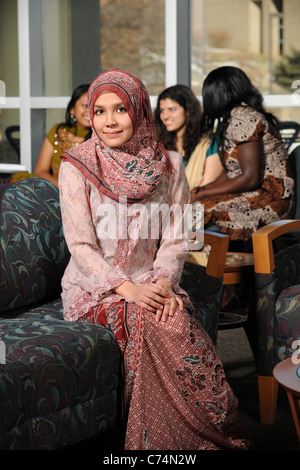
x=262, y=243
x=268, y=391
x=219, y=245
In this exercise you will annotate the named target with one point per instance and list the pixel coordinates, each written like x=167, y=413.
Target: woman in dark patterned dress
x=257, y=185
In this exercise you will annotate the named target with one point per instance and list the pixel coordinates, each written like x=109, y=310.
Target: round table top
x=286, y=374
x=233, y=260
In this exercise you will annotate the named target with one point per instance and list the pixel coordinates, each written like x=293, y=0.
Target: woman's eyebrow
x=115, y=105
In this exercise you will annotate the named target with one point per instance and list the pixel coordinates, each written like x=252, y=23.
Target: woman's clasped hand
x=157, y=298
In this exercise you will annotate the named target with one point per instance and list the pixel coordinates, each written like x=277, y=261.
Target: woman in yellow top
x=62, y=137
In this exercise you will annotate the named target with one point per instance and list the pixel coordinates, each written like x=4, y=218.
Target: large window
x=49, y=47
x=133, y=38
x=9, y=79
x=259, y=36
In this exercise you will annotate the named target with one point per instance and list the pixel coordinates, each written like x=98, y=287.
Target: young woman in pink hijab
x=125, y=269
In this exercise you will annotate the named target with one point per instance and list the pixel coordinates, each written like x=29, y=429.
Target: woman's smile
x=113, y=134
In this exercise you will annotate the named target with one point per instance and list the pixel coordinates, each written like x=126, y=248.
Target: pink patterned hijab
x=132, y=171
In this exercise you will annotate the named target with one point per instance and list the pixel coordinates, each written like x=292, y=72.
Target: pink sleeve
x=89, y=269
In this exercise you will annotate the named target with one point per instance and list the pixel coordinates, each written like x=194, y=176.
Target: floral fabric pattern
x=59, y=380
x=59, y=383
x=278, y=309
x=238, y=215
x=174, y=369
x=100, y=262
x=132, y=171
x=178, y=373
x=33, y=252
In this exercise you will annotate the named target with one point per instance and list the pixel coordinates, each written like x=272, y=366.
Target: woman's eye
x=121, y=109
x=98, y=111
x=172, y=110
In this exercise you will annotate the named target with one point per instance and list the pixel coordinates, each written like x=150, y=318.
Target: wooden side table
x=286, y=374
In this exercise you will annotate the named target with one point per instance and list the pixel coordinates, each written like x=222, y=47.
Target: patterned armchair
x=277, y=284
x=58, y=379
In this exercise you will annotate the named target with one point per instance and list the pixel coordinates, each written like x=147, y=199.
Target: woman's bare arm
x=249, y=155
x=43, y=166
x=212, y=170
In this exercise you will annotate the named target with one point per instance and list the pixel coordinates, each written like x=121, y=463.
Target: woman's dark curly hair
x=185, y=97
x=77, y=93
x=223, y=89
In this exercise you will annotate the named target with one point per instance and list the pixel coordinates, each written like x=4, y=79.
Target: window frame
x=177, y=69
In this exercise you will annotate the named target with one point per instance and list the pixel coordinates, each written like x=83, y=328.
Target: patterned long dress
x=239, y=215
x=176, y=396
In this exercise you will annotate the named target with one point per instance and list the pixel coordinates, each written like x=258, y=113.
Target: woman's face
x=172, y=114
x=81, y=112
x=112, y=123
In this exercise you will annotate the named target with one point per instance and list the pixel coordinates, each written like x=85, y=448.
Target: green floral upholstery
x=278, y=310
x=59, y=380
